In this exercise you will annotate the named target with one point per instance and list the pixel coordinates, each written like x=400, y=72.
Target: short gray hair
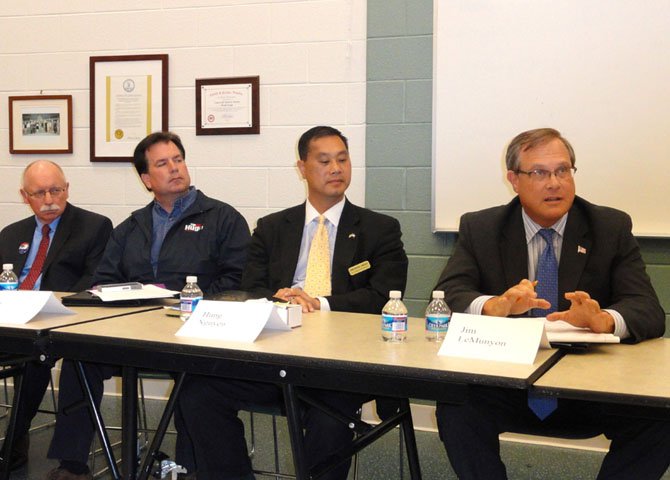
x=530, y=139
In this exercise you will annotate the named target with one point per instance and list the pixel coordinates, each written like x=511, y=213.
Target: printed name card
x=499, y=339
x=21, y=306
x=236, y=321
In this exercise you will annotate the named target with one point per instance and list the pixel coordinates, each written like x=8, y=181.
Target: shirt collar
x=333, y=214
x=180, y=205
x=531, y=228
x=52, y=226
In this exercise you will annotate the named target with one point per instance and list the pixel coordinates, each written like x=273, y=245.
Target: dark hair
x=139, y=156
x=531, y=139
x=318, y=132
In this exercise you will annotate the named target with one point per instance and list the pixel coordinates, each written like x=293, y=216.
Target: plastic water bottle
x=189, y=297
x=394, y=318
x=438, y=315
x=8, y=279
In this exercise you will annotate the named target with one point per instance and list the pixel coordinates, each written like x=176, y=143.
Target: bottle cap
x=438, y=293
x=8, y=266
x=191, y=279
x=395, y=294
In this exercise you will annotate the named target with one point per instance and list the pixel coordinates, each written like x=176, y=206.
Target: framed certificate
x=129, y=100
x=227, y=106
x=40, y=124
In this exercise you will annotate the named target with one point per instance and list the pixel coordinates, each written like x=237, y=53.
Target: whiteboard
x=596, y=70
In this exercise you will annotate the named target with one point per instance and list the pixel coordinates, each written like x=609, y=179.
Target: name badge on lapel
x=360, y=267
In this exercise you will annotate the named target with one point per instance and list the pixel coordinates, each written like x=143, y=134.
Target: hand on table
x=585, y=312
x=299, y=297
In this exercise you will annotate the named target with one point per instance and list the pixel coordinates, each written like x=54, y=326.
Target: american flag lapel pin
x=581, y=250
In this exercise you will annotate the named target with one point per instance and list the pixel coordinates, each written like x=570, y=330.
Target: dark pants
x=35, y=382
x=74, y=432
x=210, y=410
x=640, y=447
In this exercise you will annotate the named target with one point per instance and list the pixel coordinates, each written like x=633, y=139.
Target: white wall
x=310, y=56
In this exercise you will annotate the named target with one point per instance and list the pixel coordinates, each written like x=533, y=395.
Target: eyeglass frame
x=544, y=175
x=55, y=192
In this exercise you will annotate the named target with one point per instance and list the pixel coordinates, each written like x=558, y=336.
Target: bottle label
x=437, y=323
x=9, y=285
x=188, y=305
x=394, y=323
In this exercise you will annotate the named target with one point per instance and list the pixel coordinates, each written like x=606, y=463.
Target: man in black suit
x=601, y=284
x=76, y=240
x=368, y=260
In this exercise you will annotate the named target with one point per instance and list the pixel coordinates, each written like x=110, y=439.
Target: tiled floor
x=379, y=461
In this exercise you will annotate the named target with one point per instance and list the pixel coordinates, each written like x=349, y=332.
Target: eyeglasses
x=542, y=175
x=40, y=194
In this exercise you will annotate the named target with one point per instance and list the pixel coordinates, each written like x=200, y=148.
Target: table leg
x=9, y=438
x=97, y=421
x=129, y=423
x=295, y=432
x=410, y=440
x=147, y=464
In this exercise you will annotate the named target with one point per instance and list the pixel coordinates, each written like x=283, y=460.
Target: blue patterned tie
x=547, y=274
x=547, y=288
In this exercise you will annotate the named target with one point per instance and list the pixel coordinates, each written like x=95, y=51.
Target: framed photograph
x=227, y=106
x=129, y=100
x=40, y=124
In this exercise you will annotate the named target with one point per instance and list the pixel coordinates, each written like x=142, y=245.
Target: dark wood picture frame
x=103, y=149
x=244, y=86
x=30, y=132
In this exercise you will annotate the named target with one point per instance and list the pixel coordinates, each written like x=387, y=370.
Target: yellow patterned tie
x=317, y=278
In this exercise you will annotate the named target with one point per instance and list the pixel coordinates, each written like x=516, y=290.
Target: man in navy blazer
x=77, y=240
x=368, y=260
x=602, y=285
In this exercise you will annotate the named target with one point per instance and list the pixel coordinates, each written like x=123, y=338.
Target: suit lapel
x=63, y=232
x=575, y=252
x=290, y=242
x=514, y=247
x=346, y=243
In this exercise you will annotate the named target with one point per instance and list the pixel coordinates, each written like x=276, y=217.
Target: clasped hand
x=299, y=297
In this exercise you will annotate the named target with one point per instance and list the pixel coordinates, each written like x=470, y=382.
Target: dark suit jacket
x=75, y=250
x=491, y=255
x=361, y=235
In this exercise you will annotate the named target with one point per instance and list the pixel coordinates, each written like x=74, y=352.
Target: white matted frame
x=40, y=124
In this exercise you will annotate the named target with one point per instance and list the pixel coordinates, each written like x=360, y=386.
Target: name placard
x=499, y=339
x=232, y=321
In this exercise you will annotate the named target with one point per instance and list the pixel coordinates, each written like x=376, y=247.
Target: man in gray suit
x=505, y=262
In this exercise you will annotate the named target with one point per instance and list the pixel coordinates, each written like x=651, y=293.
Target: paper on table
x=145, y=293
x=21, y=306
x=560, y=331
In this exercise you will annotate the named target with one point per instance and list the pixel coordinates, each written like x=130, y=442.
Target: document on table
x=21, y=306
x=147, y=292
x=562, y=332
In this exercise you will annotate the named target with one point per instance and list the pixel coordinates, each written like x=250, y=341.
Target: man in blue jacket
x=181, y=232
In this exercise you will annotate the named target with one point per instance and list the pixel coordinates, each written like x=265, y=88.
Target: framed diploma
x=40, y=124
x=227, y=106
x=129, y=100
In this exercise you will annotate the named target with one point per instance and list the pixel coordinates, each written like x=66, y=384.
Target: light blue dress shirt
x=35, y=246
